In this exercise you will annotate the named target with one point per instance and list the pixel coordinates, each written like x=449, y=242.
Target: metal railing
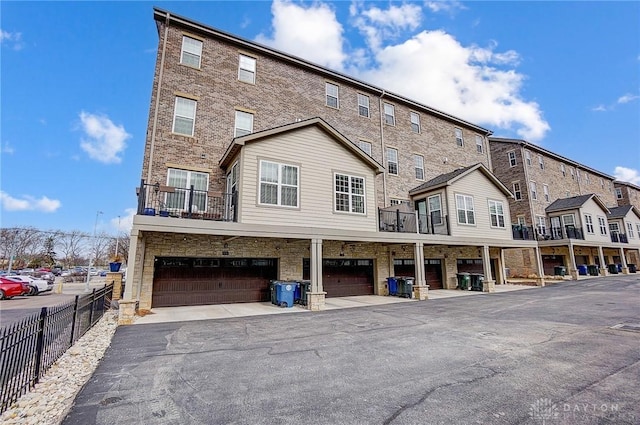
x=522, y=233
x=566, y=232
x=29, y=347
x=413, y=222
x=169, y=201
x=619, y=237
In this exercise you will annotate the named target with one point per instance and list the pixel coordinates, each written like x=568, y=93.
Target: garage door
x=433, y=272
x=474, y=265
x=551, y=261
x=344, y=277
x=180, y=281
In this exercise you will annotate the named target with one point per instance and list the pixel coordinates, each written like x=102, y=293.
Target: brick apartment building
x=259, y=165
x=627, y=193
x=569, y=208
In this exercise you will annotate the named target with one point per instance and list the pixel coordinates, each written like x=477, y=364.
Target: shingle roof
x=619, y=212
x=568, y=203
x=441, y=179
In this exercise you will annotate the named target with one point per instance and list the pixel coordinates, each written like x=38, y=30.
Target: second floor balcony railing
x=566, y=232
x=522, y=233
x=619, y=237
x=413, y=222
x=169, y=201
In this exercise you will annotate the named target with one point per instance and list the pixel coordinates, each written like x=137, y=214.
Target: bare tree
x=100, y=248
x=122, y=241
x=21, y=243
x=70, y=245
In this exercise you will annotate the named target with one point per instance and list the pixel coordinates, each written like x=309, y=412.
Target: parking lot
x=554, y=355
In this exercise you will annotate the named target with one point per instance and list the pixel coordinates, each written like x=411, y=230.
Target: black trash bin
x=272, y=291
x=559, y=271
x=305, y=287
x=405, y=287
x=613, y=268
x=464, y=281
x=632, y=268
x=592, y=269
x=477, y=281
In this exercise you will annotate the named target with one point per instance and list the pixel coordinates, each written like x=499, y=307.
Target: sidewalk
x=77, y=288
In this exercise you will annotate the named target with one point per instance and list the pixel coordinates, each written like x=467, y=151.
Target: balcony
x=412, y=222
x=169, y=201
x=566, y=232
x=619, y=237
x=522, y=233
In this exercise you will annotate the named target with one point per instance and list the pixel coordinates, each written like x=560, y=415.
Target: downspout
x=488, y=148
x=158, y=93
x=528, y=187
x=382, y=147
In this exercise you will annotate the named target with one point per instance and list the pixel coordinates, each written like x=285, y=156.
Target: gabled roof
x=622, y=211
x=161, y=15
x=239, y=142
x=574, y=202
x=449, y=178
x=621, y=183
x=536, y=148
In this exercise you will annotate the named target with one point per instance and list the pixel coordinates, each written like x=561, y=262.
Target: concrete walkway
x=222, y=311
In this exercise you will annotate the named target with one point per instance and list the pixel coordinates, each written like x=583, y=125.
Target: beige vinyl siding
x=634, y=220
x=318, y=156
x=482, y=189
x=591, y=207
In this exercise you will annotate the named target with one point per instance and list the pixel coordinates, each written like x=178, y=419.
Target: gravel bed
x=51, y=399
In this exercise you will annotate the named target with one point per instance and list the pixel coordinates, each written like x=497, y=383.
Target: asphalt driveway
x=547, y=355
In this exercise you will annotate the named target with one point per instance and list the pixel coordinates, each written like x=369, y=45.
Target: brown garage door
x=344, y=277
x=433, y=272
x=551, y=261
x=180, y=281
x=474, y=265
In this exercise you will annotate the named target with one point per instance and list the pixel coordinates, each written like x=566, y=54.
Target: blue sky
x=76, y=83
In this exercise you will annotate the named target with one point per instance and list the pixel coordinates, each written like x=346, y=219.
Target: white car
x=36, y=285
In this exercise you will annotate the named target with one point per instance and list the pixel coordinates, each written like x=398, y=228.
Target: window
x=588, y=221
x=601, y=183
x=527, y=157
x=568, y=220
x=496, y=212
x=545, y=191
x=363, y=105
x=578, y=174
x=572, y=175
x=541, y=162
x=541, y=224
x=567, y=194
x=184, y=116
x=332, y=95
x=415, y=122
x=522, y=221
x=435, y=209
x=512, y=159
x=603, y=225
x=278, y=184
x=464, y=205
x=618, y=193
x=630, y=230
x=479, y=144
x=399, y=202
x=419, y=164
x=182, y=180
x=587, y=179
x=365, y=146
x=459, y=139
x=349, y=192
x=389, y=114
x=516, y=191
x=609, y=186
x=247, y=69
x=244, y=124
x=638, y=229
x=534, y=191
x=392, y=161
x=562, y=170
x=614, y=228
x=191, y=52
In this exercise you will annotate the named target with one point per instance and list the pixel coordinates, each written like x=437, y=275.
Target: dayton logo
x=543, y=410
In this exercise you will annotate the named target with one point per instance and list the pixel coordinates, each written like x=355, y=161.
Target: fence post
x=93, y=300
x=40, y=343
x=75, y=318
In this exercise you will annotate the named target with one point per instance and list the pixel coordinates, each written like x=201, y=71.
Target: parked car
x=36, y=285
x=11, y=288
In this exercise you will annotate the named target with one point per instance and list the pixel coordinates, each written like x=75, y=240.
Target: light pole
x=93, y=247
x=117, y=236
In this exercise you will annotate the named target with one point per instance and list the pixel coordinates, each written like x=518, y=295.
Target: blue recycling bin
x=619, y=267
x=285, y=292
x=582, y=270
x=392, y=284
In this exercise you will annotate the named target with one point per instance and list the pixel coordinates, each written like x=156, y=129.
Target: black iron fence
x=566, y=232
x=169, y=201
x=522, y=233
x=413, y=222
x=619, y=237
x=29, y=347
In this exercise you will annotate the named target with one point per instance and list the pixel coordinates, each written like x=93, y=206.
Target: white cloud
x=628, y=98
x=28, y=203
x=475, y=83
x=627, y=175
x=104, y=141
x=311, y=32
x=444, y=6
x=599, y=108
x=7, y=148
x=13, y=38
x=124, y=223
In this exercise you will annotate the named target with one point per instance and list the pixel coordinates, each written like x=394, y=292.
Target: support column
x=116, y=279
x=623, y=260
x=539, y=267
x=315, y=298
x=503, y=269
x=573, y=269
x=488, y=284
x=420, y=287
x=603, y=264
x=130, y=298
